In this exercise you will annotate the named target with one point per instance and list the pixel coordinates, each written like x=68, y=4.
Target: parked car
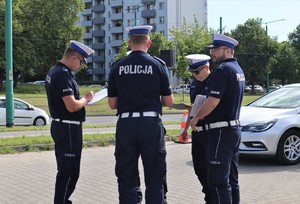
x=247, y=89
x=41, y=82
x=271, y=125
x=258, y=89
x=182, y=88
x=24, y=113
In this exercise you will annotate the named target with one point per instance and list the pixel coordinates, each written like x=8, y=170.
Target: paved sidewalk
x=28, y=178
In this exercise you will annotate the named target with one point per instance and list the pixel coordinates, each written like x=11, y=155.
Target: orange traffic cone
x=183, y=138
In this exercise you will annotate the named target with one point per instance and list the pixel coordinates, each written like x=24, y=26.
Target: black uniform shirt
x=138, y=81
x=198, y=87
x=226, y=83
x=60, y=82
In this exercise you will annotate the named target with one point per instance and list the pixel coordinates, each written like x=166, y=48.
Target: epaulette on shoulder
x=160, y=60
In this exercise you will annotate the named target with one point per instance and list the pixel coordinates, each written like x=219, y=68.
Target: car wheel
x=288, y=150
x=39, y=121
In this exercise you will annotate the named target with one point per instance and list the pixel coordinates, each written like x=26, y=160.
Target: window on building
x=88, y=5
x=128, y=22
x=109, y=52
x=161, y=6
x=128, y=9
x=89, y=18
x=162, y=32
x=161, y=19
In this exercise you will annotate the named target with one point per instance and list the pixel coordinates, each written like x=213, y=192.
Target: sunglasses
x=82, y=61
x=198, y=70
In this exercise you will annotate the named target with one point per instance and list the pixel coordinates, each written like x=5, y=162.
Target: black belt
x=68, y=121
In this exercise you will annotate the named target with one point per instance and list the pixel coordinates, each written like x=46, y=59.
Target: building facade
x=105, y=22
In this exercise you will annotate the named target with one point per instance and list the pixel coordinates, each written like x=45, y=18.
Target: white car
x=271, y=125
x=24, y=113
x=182, y=88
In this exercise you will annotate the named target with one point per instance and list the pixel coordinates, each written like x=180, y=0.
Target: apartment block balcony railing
x=148, y=13
x=116, y=16
x=99, y=8
x=98, y=33
x=118, y=29
x=116, y=3
x=98, y=46
x=148, y=1
x=87, y=12
x=98, y=58
x=116, y=43
x=99, y=21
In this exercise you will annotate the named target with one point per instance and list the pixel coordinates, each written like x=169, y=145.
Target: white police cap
x=81, y=48
x=143, y=30
x=195, y=61
x=223, y=40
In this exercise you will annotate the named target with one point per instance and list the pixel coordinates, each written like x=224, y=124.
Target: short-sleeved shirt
x=227, y=84
x=198, y=87
x=138, y=80
x=60, y=82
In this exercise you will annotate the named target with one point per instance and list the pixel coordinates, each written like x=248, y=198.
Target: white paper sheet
x=197, y=103
x=98, y=96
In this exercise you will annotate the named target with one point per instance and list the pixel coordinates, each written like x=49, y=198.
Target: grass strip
x=45, y=143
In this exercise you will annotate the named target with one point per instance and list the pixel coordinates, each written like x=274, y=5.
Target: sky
x=235, y=12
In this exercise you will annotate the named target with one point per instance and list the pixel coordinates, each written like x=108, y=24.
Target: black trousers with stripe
x=68, y=148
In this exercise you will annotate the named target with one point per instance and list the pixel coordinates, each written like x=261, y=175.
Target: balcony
x=116, y=3
x=118, y=29
x=99, y=8
x=98, y=33
x=88, y=36
x=86, y=12
x=98, y=71
x=149, y=13
x=98, y=46
x=87, y=23
x=98, y=58
x=89, y=60
x=116, y=16
x=87, y=1
x=116, y=43
x=148, y=1
x=99, y=21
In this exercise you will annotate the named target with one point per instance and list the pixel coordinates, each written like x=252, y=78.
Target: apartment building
x=105, y=22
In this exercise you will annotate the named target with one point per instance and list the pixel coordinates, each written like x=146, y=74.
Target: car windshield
x=285, y=97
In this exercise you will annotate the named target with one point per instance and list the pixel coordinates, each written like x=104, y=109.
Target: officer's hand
x=193, y=123
x=89, y=96
x=184, y=134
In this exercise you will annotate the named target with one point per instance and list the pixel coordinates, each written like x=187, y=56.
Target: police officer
x=220, y=112
x=138, y=87
x=199, y=67
x=67, y=111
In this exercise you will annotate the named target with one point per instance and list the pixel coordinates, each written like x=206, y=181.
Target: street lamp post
x=267, y=35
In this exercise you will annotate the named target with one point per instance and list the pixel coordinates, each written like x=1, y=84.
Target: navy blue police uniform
x=66, y=129
x=227, y=84
x=138, y=81
x=199, y=139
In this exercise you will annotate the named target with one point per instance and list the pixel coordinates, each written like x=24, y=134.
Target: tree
x=17, y=30
x=255, y=50
x=285, y=64
x=50, y=25
x=41, y=31
x=159, y=42
x=189, y=39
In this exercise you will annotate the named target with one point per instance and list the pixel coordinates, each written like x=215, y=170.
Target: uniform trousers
x=199, y=156
x=68, y=148
x=135, y=137
x=223, y=150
